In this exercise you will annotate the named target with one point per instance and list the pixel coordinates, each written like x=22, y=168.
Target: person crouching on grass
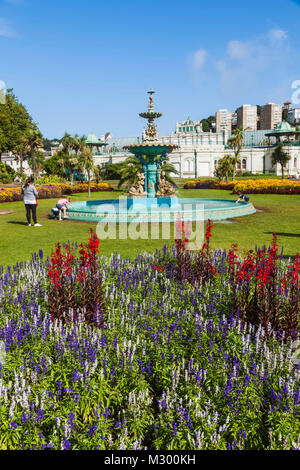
x=62, y=207
x=242, y=197
x=30, y=193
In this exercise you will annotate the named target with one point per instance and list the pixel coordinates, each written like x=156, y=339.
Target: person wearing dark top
x=242, y=197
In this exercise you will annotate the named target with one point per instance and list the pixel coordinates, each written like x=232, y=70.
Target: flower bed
x=208, y=184
x=52, y=191
x=251, y=186
x=173, y=364
x=270, y=186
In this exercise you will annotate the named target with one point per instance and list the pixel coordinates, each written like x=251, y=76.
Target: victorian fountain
x=152, y=198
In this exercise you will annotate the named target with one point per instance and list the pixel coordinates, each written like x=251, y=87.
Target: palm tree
x=86, y=161
x=33, y=141
x=133, y=165
x=67, y=143
x=235, y=142
x=129, y=171
x=76, y=143
x=97, y=173
x=226, y=165
x=281, y=157
x=39, y=163
x=73, y=164
x=62, y=164
x=2, y=142
x=70, y=158
x=21, y=150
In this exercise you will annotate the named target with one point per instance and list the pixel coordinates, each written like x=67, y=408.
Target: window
x=295, y=162
x=189, y=165
x=244, y=164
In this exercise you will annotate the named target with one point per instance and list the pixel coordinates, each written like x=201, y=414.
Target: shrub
x=50, y=179
x=5, y=178
x=7, y=173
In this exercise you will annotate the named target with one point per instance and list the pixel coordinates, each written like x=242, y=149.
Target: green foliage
x=133, y=165
x=86, y=164
x=39, y=162
x=111, y=171
x=235, y=142
x=174, y=370
x=72, y=155
x=49, y=143
x=129, y=171
x=207, y=123
x=15, y=121
x=281, y=157
x=49, y=179
x=53, y=165
x=7, y=173
x=225, y=167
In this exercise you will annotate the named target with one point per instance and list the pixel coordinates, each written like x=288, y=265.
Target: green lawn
x=276, y=213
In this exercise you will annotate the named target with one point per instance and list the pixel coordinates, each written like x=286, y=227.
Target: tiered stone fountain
x=150, y=153
x=153, y=199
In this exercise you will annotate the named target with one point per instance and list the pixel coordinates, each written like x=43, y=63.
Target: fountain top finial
x=150, y=145
x=150, y=106
x=150, y=115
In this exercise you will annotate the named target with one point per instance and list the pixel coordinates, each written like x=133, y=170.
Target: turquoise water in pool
x=158, y=209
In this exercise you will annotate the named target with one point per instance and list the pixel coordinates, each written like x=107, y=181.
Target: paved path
x=6, y=212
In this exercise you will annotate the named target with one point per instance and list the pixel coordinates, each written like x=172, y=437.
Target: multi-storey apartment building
x=247, y=117
x=223, y=120
x=270, y=116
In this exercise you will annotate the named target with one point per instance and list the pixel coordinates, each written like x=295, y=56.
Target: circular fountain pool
x=158, y=209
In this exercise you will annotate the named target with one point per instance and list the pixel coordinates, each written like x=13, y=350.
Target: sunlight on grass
x=276, y=213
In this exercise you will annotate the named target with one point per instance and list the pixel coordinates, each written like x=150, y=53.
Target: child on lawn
x=62, y=207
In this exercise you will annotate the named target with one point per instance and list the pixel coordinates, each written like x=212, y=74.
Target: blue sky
x=85, y=66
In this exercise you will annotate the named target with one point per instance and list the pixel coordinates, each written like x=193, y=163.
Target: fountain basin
x=158, y=209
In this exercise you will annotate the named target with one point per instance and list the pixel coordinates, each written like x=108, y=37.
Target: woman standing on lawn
x=29, y=194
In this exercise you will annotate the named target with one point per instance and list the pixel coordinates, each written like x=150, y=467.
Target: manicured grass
x=276, y=213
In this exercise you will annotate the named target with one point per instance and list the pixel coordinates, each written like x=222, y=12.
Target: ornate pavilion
x=286, y=134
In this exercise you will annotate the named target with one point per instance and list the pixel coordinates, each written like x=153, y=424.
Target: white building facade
x=198, y=154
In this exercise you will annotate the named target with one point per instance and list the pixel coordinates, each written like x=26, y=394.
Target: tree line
x=19, y=134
